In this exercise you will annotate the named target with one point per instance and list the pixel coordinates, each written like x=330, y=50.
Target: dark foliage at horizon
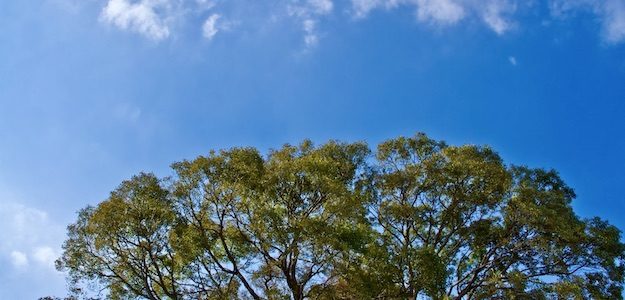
x=416, y=219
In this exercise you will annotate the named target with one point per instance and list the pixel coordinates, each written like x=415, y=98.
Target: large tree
x=419, y=219
x=455, y=222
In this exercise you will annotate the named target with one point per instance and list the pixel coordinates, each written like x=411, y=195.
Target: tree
x=123, y=243
x=277, y=226
x=421, y=220
x=232, y=223
x=457, y=223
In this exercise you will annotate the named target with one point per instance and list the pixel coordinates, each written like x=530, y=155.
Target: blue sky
x=94, y=91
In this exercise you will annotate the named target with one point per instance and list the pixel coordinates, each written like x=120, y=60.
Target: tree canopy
x=417, y=219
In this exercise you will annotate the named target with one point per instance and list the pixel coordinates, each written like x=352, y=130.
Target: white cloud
x=445, y=12
x=28, y=237
x=309, y=13
x=499, y=15
x=561, y=8
x=610, y=13
x=321, y=7
x=204, y=5
x=156, y=19
x=45, y=256
x=310, y=8
x=512, y=60
x=18, y=259
x=29, y=243
x=494, y=15
x=361, y=8
x=140, y=17
x=210, y=29
x=614, y=21
x=310, y=38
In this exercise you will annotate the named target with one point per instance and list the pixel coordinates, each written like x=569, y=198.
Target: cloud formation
x=362, y=8
x=445, y=12
x=308, y=13
x=154, y=18
x=18, y=259
x=29, y=239
x=614, y=21
x=210, y=29
x=495, y=14
x=30, y=242
x=140, y=17
x=45, y=256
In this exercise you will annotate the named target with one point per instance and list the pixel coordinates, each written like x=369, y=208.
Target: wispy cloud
x=141, y=17
x=30, y=242
x=443, y=12
x=495, y=14
x=321, y=6
x=308, y=13
x=29, y=239
x=210, y=28
x=362, y=8
x=155, y=18
x=613, y=16
x=45, y=256
x=18, y=259
x=311, y=38
x=610, y=13
x=204, y=5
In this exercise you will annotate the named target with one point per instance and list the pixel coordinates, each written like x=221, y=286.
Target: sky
x=94, y=91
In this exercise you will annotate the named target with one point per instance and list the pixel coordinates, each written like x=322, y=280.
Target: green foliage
x=420, y=219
